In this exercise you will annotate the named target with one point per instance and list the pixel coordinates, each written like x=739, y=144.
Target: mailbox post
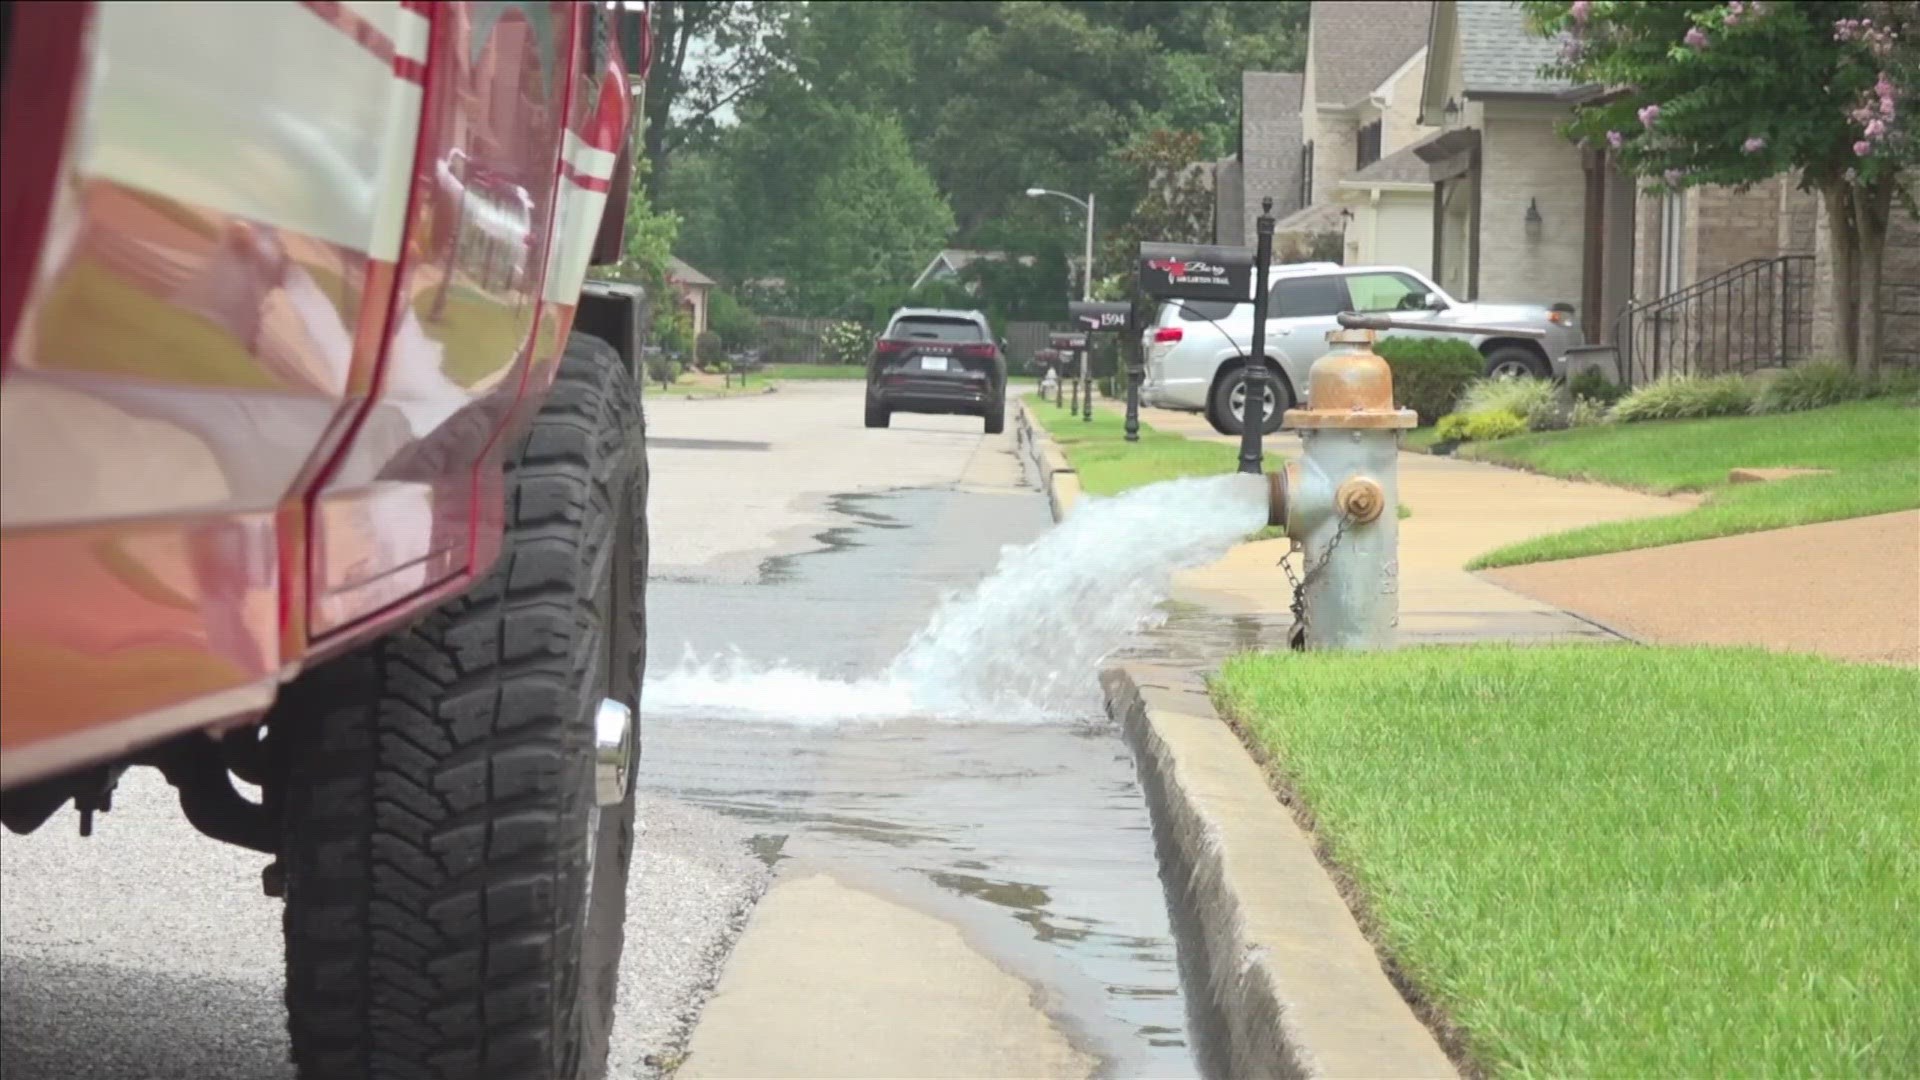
x=1071, y=343
x=1097, y=317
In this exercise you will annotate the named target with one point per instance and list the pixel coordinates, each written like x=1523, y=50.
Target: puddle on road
x=963, y=765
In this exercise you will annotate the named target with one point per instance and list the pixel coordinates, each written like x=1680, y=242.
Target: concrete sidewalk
x=1845, y=589
x=1460, y=509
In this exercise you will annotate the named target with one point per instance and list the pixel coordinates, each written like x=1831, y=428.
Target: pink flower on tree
x=1753, y=145
x=1862, y=148
x=1876, y=129
x=1579, y=10
x=1696, y=39
x=1648, y=114
x=1614, y=139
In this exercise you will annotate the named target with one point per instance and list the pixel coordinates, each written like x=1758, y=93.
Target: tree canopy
x=1738, y=92
x=876, y=132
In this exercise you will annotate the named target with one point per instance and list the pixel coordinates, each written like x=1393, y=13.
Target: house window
x=1368, y=146
x=1306, y=176
x=1673, y=235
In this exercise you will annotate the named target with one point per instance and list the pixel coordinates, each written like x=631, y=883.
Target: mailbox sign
x=1067, y=341
x=1196, y=272
x=1095, y=316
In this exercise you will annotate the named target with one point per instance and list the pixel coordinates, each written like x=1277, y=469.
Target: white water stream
x=1026, y=642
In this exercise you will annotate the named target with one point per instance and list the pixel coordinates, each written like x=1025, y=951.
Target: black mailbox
x=1098, y=315
x=1196, y=272
x=1067, y=341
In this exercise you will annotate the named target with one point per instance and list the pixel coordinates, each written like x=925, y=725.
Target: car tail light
x=977, y=352
x=1169, y=333
x=887, y=348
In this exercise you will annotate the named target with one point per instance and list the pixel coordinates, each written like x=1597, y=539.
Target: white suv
x=1194, y=348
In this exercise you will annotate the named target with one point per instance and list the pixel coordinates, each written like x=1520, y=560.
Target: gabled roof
x=1270, y=139
x=680, y=272
x=1403, y=166
x=1499, y=55
x=1358, y=44
x=1318, y=218
x=958, y=259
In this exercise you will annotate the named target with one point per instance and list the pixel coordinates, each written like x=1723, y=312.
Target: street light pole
x=1084, y=390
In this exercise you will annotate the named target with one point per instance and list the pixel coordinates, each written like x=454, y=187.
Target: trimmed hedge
x=1429, y=374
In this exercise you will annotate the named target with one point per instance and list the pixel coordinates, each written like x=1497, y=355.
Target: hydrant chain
x=1297, y=637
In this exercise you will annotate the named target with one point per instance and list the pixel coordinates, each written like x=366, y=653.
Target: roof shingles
x=1499, y=55
x=1270, y=145
x=1357, y=44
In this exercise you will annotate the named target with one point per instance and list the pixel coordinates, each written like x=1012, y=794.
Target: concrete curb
x=1281, y=978
x=1058, y=476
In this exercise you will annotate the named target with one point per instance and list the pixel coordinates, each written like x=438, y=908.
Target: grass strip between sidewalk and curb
x=1872, y=449
x=1611, y=860
x=1108, y=464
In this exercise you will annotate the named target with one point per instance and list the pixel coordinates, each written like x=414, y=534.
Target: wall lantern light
x=1451, y=110
x=1533, y=219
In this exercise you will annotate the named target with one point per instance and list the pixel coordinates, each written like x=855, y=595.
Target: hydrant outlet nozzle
x=1360, y=498
x=1277, y=498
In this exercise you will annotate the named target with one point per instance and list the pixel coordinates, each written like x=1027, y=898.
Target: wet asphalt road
x=150, y=952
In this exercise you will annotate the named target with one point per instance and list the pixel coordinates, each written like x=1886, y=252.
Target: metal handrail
x=1753, y=314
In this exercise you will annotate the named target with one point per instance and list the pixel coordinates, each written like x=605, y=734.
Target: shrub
x=1587, y=412
x=1479, y=426
x=720, y=367
x=1493, y=424
x=846, y=343
x=1685, y=397
x=738, y=327
x=1899, y=382
x=1521, y=397
x=1594, y=386
x=707, y=346
x=1810, y=386
x=1429, y=373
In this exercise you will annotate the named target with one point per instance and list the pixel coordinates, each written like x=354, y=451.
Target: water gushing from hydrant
x=1023, y=644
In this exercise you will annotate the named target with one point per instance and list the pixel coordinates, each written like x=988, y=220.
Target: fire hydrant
x=1340, y=503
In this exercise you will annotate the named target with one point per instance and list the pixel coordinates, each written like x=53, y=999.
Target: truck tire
x=1517, y=362
x=455, y=841
x=1228, y=390
x=995, y=415
x=878, y=416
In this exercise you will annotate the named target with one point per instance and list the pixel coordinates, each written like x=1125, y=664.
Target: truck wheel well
x=1492, y=345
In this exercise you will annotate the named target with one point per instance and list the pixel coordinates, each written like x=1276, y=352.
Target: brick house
x=1328, y=144
x=1704, y=279
x=694, y=289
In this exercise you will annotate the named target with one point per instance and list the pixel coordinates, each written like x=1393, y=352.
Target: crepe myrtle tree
x=1734, y=93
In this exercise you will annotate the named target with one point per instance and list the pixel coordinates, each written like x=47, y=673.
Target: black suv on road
x=934, y=360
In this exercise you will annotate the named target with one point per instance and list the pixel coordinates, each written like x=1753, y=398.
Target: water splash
x=1025, y=642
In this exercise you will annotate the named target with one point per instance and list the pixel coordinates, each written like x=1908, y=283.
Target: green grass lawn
x=1108, y=464
x=1873, y=448
x=1622, y=861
